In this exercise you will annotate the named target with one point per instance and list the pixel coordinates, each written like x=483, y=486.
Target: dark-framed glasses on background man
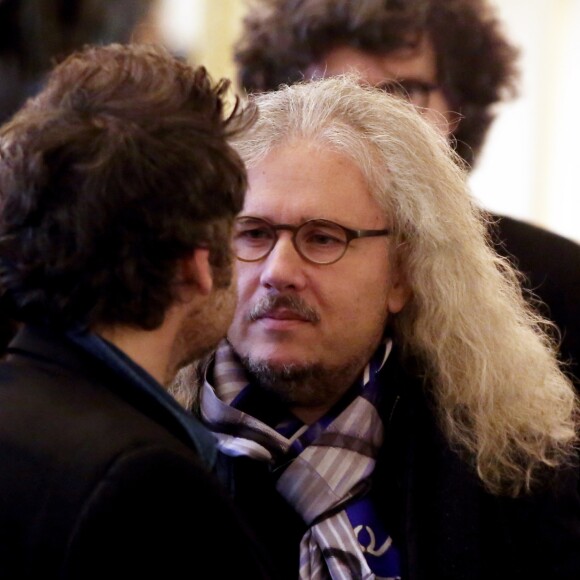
x=414, y=91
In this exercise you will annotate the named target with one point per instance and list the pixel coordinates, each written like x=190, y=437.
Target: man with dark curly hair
x=448, y=57
x=118, y=190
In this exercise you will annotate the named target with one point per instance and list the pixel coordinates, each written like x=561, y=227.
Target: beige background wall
x=204, y=30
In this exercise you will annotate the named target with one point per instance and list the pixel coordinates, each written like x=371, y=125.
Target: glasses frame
x=402, y=88
x=350, y=234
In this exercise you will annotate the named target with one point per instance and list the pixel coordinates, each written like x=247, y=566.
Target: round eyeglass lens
x=253, y=239
x=321, y=241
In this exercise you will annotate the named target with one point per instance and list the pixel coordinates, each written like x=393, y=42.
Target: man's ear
x=194, y=272
x=399, y=296
x=400, y=291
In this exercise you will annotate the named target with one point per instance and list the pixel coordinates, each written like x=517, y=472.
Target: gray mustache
x=289, y=301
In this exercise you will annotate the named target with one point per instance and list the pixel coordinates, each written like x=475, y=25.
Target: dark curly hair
x=476, y=63
x=119, y=168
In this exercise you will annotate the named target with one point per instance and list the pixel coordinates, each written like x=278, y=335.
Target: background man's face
x=407, y=64
x=350, y=298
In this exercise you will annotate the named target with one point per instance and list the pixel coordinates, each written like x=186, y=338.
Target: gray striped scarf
x=328, y=463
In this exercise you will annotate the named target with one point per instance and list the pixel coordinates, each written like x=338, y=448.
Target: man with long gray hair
x=390, y=405
x=454, y=62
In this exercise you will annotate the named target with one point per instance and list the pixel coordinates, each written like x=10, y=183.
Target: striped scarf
x=324, y=467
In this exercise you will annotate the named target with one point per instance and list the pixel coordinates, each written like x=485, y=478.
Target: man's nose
x=283, y=267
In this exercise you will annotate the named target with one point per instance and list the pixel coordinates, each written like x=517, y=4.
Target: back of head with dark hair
x=119, y=168
x=476, y=63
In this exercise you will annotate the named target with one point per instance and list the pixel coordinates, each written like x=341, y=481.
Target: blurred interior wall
x=203, y=31
x=528, y=168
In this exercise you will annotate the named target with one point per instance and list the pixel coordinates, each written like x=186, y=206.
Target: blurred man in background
x=35, y=33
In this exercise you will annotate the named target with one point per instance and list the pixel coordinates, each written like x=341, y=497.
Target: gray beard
x=304, y=385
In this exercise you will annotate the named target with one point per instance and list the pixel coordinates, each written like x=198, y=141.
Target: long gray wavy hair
x=484, y=352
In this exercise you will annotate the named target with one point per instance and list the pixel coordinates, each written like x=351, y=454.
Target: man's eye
x=415, y=88
x=322, y=239
x=256, y=234
x=415, y=91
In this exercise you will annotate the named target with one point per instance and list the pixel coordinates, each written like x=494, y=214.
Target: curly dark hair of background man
x=475, y=61
x=119, y=168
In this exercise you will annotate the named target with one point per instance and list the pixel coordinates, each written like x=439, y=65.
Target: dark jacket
x=97, y=481
x=551, y=266
x=445, y=524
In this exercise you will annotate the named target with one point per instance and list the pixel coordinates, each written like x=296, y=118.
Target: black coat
x=551, y=266
x=99, y=482
x=445, y=524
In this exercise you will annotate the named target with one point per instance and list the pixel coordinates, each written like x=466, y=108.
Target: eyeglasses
x=415, y=92
x=318, y=241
